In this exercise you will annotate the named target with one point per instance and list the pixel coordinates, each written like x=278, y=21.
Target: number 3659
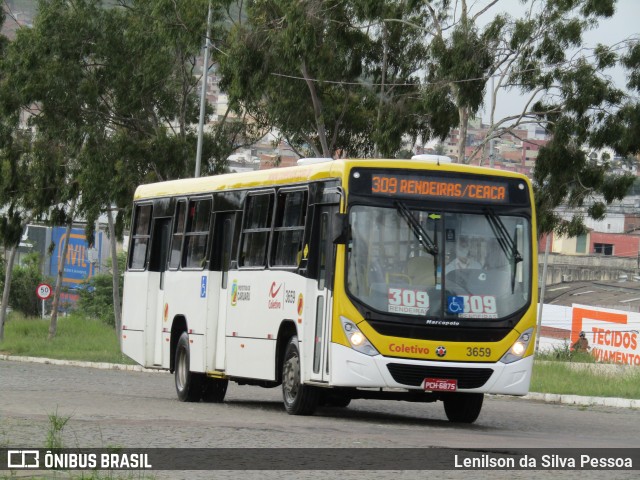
x=478, y=352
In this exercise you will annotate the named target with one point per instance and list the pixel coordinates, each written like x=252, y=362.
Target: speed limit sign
x=43, y=291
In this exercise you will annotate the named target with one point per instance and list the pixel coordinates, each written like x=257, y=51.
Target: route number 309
x=408, y=298
x=479, y=304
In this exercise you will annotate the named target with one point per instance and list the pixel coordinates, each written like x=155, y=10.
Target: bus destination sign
x=457, y=189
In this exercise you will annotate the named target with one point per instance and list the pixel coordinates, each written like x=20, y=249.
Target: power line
x=623, y=45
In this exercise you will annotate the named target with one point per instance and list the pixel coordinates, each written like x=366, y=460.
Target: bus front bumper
x=350, y=368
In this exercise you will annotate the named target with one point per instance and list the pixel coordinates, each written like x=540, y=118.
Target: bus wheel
x=188, y=384
x=214, y=389
x=463, y=407
x=299, y=399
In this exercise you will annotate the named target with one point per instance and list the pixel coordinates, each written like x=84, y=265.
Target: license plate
x=440, y=384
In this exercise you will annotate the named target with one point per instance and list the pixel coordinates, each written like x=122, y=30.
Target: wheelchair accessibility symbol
x=455, y=305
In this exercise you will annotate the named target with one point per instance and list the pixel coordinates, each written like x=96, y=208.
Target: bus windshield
x=433, y=263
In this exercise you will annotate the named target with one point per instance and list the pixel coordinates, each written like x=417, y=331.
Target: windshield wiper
x=507, y=243
x=420, y=233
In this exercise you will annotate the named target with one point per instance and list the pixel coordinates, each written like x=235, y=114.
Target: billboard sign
x=81, y=264
x=612, y=334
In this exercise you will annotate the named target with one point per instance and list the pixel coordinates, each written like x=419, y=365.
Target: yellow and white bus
x=337, y=279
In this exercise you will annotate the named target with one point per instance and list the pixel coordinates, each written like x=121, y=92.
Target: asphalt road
x=108, y=408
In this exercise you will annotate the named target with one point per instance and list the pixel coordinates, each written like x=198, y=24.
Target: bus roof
x=299, y=174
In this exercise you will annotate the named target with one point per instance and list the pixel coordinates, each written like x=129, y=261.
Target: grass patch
x=78, y=338
x=54, y=434
x=564, y=354
x=559, y=377
x=81, y=338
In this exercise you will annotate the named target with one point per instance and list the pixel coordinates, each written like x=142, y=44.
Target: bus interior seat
x=398, y=278
x=421, y=270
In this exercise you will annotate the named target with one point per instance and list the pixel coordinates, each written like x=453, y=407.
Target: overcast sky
x=624, y=24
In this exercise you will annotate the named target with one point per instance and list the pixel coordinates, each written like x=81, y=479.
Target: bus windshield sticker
x=472, y=306
x=460, y=189
x=408, y=301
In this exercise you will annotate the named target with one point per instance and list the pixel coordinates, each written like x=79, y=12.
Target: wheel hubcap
x=291, y=378
x=181, y=369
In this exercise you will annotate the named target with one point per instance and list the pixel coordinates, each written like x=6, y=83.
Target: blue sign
x=203, y=287
x=78, y=267
x=455, y=304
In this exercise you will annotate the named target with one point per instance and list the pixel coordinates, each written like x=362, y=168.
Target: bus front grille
x=414, y=375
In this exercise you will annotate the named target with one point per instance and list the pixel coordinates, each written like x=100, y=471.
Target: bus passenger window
x=178, y=233
x=322, y=250
x=255, y=230
x=289, y=229
x=197, y=234
x=140, y=237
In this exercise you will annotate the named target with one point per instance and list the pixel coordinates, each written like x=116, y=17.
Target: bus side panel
x=187, y=294
x=133, y=345
x=196, y=352
x=246, y=357
x=139, y=315
x=259, y=301
x=166, y=349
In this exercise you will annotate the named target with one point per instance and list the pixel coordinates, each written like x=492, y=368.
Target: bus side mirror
x=340, y=230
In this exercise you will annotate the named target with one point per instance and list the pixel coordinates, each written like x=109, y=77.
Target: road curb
x=544, y=397
x=78, y=363
x=585, y=401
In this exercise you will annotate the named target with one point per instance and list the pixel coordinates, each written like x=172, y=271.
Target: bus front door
x=324, y=294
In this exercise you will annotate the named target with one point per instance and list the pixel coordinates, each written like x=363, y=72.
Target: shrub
x=96, y=295
x=564, y=353
x=96, y=299
x=24, y=282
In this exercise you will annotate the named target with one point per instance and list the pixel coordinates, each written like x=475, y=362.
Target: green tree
x=110, y=89
x=539, y=53
x=45, y=78
x=25, y=280
x=533, y=53
x=329, y=76
x=459, y=64
x=620, y=130
x=144, y=129
x=598, y=117
x=27, y=187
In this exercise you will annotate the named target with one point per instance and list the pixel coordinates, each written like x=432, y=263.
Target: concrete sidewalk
x=544, y=397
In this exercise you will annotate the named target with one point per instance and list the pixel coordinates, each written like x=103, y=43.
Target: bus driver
x=463, y=260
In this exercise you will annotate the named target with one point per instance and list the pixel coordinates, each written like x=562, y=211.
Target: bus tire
x=299, y=399
x=463, y=407
x=214, y=389
x=188, y=384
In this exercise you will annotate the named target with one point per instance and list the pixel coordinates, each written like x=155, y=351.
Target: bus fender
x=285, y=332
x=178, y=326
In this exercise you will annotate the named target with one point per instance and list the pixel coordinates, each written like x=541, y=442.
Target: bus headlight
x=356, y=338
x=518, y=349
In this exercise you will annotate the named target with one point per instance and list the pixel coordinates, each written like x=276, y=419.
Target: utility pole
x=542, y=291
x=203, y=95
